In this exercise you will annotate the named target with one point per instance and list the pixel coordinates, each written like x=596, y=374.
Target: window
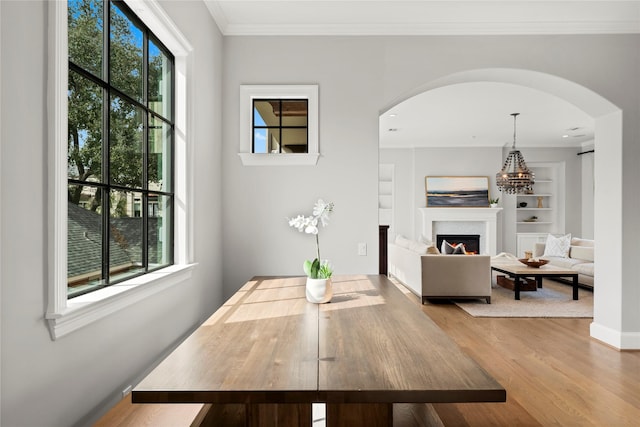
x=120, y=153
x=120, y=150
x=279, y=125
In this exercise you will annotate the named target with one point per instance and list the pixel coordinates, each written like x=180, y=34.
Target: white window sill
x=285, y=159
x=88, y=308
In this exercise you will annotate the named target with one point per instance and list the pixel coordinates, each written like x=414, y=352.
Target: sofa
x=435, y=276
x=579, y=257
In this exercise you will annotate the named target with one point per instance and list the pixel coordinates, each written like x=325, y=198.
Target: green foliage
x=316, y=270
x=87, y=104
x=325, y=271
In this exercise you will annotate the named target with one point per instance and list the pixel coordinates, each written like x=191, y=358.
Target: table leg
x=539, y=282
x=516, y=286
x=359, y=415
x=221, y=415
x=575, y=287
x=254, y=415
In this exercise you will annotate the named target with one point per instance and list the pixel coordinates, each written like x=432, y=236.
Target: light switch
x=362, y=249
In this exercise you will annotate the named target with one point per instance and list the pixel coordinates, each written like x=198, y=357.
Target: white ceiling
x=479, y=115
x=472, y=114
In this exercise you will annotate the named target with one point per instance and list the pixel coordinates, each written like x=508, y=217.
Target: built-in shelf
x=385, y=194
x=548, y=192
x=534, y=222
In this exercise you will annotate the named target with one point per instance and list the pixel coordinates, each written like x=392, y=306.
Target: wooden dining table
x=266, y=355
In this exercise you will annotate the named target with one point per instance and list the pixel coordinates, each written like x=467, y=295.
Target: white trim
x=285, y=159
x=487, y=216
x=57, y=102
x=618, y=339
x=66, y=316
x=1, y=240
x=82, y=310
x=218, y=15
x=430, y=29
x=250, y=92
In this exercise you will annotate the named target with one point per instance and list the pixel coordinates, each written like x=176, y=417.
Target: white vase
x=494, y=205
x=319, y=291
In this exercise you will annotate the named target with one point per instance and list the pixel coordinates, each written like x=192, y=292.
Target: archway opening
x=607, y=120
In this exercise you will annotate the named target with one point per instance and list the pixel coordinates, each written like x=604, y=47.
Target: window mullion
x=106, y=141
x=145, y=151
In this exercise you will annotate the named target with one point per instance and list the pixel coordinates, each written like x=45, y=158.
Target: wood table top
x=267, y=344
x=515, y=267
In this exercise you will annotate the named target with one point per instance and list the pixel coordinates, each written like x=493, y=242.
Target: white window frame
x=63, y=315
x=250, y=92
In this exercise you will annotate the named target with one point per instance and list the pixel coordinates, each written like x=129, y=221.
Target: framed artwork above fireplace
x=457, y=191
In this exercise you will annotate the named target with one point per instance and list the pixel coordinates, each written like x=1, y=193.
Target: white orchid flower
x=312, y=226
x=309, y=224
x=299, y=222
x=321, y=210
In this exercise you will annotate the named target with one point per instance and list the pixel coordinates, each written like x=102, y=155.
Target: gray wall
x=60, y=383
x=257, y=199
x=69, y=381
x=412, y=165
x=361, y=77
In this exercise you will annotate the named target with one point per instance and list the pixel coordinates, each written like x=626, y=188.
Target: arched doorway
x=607, y=322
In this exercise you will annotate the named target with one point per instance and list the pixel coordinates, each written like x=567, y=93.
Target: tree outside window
x=119, y=147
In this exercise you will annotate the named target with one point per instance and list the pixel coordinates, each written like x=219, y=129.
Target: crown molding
x=218, y=15
x=407, y=18
x=433, y=29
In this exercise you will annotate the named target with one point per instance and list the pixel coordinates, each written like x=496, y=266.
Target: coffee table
x=518, y=271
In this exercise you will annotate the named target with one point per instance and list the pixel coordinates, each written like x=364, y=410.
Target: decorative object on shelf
x=523, y=204
x=540, y=202
x=494, y=202
x=533, y=262
x=531, y=219
x=457, y=191
x=515, y=177
x=319, y=289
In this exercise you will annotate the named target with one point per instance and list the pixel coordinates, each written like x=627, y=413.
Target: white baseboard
x=618, y=339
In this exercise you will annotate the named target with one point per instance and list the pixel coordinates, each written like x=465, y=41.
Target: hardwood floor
x=554, y=374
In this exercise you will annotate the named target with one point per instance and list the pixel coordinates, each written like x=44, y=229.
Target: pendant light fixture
x=515, y=177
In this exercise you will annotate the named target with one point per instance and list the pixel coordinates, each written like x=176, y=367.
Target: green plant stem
x=318, y=246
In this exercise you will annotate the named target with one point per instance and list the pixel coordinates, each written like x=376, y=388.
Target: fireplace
x=460, y=220
x=471, y=242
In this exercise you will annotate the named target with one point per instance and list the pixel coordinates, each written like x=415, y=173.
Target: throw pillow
x=557, y=246
x=431, y=246
x=449, y=249
x=402, y=241
x=418, y=247
x=432, y=250
x=427, y=241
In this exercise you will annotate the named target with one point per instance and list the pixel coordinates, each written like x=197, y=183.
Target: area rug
x=553, y=300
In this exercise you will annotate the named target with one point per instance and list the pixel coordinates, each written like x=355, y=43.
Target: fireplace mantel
x=488, y=216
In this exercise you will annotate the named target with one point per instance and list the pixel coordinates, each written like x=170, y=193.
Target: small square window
x=279, y=125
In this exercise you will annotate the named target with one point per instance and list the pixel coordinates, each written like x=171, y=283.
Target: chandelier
x=515, y=177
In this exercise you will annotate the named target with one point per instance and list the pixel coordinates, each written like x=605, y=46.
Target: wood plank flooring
x=554, y=373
